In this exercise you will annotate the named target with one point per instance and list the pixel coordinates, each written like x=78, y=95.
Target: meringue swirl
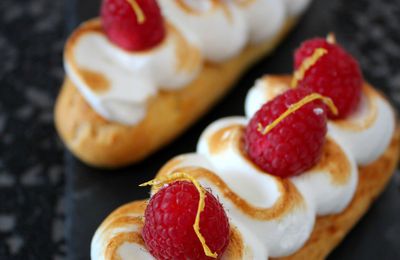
x=123, y=227
x=366, y=133
x=118, y=84
x=263, y=17
x=219, y=26
x=128, y=79
x=280, y=212
x=270, y=216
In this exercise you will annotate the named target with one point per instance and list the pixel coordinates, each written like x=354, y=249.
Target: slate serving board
x=92, y=194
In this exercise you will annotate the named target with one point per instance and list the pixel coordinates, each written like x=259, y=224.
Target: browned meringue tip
x=215, y=4
x=127, y=215
x=290, y=196
x=188, y=56
x=370, y=94
x=123, y=217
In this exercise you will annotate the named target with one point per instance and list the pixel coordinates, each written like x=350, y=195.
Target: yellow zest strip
x=296, y=106
x=331, y=38
x=306, y=65
x=141, y=18
x=196, y=226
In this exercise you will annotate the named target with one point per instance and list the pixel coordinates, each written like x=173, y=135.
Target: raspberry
x=295, y=144
x=336, y=75
x=124, y=28
x=168, y=229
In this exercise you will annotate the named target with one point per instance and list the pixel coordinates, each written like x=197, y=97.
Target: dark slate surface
x=32, y=36
x=367, y=28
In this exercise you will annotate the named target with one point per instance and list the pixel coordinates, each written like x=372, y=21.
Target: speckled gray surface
x=369, y=29
x=31, y=158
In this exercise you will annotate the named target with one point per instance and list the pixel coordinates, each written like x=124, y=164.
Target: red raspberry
x=296, y=143
x=124, y=29
x=336, y=75
x=169, y=218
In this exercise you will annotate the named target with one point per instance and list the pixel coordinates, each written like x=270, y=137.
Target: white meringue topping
x=218, y=25
x=131, y=77
x=203, y=30
x=285, y=233
x=264, y=18
x=366, y=133
x=274, y=216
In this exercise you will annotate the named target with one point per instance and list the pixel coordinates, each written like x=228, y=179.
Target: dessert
x=290, y=181
x=147, y=65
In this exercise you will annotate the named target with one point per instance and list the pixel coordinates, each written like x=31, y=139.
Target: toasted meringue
x=366, y=133
x=269, y=216
x=264, y=17
x=120, y=238
x=218, y=25
x=283, y=234
x=117, y=83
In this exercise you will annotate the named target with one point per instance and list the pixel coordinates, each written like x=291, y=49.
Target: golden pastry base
x=328, y=230
x=101, y=143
